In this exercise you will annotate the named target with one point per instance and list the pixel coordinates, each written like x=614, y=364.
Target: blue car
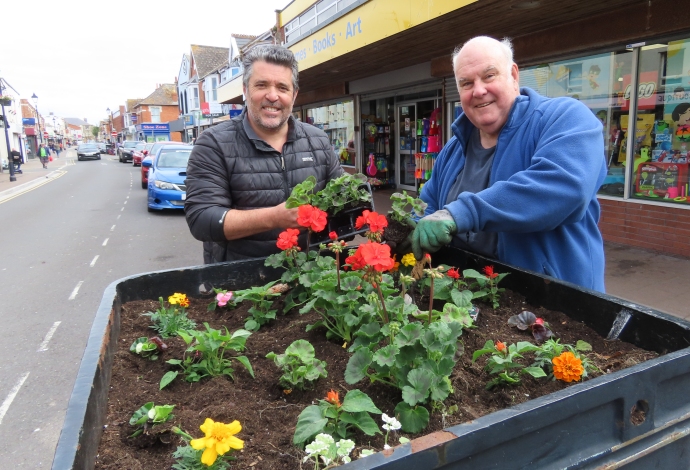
x=167, y=173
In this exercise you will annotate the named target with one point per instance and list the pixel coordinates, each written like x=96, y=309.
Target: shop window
x=337, y=120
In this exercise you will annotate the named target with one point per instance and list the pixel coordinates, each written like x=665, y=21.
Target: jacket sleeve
x=208, y=193
x=559, y=180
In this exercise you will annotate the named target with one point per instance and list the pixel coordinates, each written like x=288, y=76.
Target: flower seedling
x=335, y=196
x=223, y=298
x=399, y=207
x=168, y=320
x=261, y=299
x=525, y=320
x=503, y=362
x=148, y=347
x=211, y=451
x=299, y=365
x=332, y=417
x=487, y=284
x=564, y=361
x=205, y=354
x=373, y=259
x=389, y=424
x=148, y=416
x=331, y=453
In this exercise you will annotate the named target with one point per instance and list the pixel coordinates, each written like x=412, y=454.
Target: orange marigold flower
x=287, y=239
x=489, y=271
x=500, y=346
x=184, y=302
x=333, y=398
x=311, y=217
x=377, y=256
x=453, y=273
x=567, y=367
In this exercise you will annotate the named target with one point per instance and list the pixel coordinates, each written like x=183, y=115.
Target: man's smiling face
x=270, y=96
x=488, y=86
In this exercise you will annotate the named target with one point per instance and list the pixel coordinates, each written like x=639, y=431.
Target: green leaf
x=363, y=421
x=167, y=378
x=385, y=356
x=358, y=365
x=309, y=423
x=301, y=349
x=175, y=362
x=356, y=401
x=413, y=420
x=536, y=372
x=245, y=362
x=583, y=345
x=141, y=415
x=420, y=381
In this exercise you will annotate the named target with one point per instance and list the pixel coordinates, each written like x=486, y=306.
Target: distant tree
x=94, y=131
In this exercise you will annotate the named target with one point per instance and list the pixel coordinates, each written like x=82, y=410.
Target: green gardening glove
x=433, y=232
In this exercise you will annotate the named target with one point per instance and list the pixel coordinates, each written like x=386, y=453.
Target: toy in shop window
x=660, y=180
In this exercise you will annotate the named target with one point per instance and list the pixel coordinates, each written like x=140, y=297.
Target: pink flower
x=223, y=298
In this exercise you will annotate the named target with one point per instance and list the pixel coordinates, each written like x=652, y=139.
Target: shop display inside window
x=429, y=144
x=377, y=145
x=337, y=120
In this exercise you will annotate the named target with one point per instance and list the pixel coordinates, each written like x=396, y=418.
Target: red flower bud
x=333, y=236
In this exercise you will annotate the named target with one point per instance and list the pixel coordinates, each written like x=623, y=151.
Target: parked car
x=101, y=148
x=125, y=150
x=140, y=151
x=152, y=152
x=167, y=174
x=89, y=150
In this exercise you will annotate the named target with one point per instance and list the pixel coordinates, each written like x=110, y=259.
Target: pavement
x=643, y=277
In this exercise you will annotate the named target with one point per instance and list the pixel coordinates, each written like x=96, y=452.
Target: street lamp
x=5, y=125
x=34, y=98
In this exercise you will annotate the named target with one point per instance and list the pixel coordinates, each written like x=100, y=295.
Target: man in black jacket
x=241, y=172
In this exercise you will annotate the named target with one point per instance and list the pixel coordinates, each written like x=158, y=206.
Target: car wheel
x=79, y=158
x=98, y=158
x=144, y=185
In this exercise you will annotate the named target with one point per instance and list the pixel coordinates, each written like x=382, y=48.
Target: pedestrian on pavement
x=44, y=155
x=16, y=160
x=518, y=180
x=241, y=171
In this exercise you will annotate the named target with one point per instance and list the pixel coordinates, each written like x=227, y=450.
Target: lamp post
x=5, y=125
x=34, y=98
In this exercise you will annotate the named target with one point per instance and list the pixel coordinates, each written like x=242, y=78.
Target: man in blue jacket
x=518, y=179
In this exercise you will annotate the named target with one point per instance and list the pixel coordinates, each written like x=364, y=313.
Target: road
x=64, y=242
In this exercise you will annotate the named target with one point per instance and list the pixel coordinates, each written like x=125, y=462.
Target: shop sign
x=156, y=127
x=646, y=91
x=28, y=121
x=134, y=117
x=211, y=110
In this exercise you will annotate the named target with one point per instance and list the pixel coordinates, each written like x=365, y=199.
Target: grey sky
x=80, y=57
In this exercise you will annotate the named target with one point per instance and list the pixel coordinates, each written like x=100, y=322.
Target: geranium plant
x=299, y=364
x=337, y=419
x=527, y=320
x=325, y=449
x=335, y=196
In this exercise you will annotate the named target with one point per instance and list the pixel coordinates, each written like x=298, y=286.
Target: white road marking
x=112, y=228
x=13, y=393
x=76, y=290
x=123, y=207
x=51, y=332
x=105, y=242
x=93, y=262
x=119, y=215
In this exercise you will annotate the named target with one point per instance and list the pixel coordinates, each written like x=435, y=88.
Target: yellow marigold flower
x=177, y=298
x=220, y=438
x=567, y=367
x=408, y=260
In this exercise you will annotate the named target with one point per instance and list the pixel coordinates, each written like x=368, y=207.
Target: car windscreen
x=140, y=146
x=173, y=158
x=87, y=147
x=130, y=145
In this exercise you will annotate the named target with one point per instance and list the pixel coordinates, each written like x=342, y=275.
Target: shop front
x=151, y=132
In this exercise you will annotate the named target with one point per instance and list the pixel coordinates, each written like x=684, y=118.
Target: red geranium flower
x=489, y=271
x=377, y=256
x=333, y=236
x=376, y=221
x=287, y=239
x=453, y=273
x=311, y=217
x=356, y=261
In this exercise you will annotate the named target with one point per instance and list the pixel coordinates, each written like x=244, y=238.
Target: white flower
x=392, y=424
x=152, y=413
x=139, y=347
x=386, y=447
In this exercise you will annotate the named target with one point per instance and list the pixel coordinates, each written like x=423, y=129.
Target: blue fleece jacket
x=541, y=199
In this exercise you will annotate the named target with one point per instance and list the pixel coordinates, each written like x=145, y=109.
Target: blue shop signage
x=28, y=121
x=165, y=127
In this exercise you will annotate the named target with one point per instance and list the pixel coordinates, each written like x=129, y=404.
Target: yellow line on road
x=34, y=186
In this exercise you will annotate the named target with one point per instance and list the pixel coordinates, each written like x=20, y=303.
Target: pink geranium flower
x=223, y=298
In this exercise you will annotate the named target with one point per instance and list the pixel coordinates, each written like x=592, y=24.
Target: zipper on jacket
x=286, y=188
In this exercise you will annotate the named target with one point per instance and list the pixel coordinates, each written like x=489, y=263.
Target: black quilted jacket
x=232, y=168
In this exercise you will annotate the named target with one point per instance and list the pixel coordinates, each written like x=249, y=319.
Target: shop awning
x=29, y=131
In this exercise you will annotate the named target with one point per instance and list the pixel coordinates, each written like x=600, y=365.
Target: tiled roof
x=76, y=121
x=243, y=39
x=131, y=103
x=208, y=59
x=165, y=95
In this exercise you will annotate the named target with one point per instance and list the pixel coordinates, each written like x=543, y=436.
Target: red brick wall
x=169, y=113
x=665, y=229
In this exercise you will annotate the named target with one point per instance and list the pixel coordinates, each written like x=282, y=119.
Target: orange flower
x=184, y=302
x=489, y=271
x=311, y=217
x=376, y=221
x=333, y=398
x=567, y=367
x=500, y=346
x=287, y=239
x=453, y=273
x=356, y=261
x=377, y=256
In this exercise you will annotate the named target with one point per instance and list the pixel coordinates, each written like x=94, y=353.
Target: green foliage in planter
x=503, y=362
x=205, y=353
x=168, y=320
x=149, y=415
x=188, y=458
x=337, y=419
x=399, y=207
x=144, y=348
x=299, y=365
x=260, y=297
x=335, y=196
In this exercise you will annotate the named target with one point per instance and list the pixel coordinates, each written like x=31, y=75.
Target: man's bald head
x=504, y=48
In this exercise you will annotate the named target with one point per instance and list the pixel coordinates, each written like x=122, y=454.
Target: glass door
x=406, y=146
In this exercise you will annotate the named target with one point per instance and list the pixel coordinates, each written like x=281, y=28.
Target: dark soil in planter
x=268, y=414
x=395, y=232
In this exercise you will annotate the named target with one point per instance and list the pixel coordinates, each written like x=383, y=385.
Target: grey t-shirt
x=473, y=178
